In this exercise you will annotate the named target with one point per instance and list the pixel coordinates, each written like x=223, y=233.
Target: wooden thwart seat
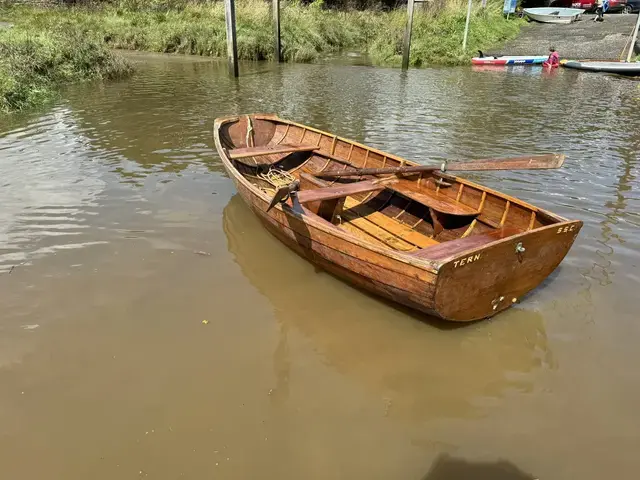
x=339, y=191
x=455, y=247
x=246, y=152
x=436, y=201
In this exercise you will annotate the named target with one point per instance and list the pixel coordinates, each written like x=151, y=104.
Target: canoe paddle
x=536, y=162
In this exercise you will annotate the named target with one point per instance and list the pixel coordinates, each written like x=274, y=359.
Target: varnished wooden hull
x=413, y=287
x=470, y=285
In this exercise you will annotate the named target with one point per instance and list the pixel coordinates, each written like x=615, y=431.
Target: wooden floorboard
x=395, y=227
x=362, y=234
x=376, y=231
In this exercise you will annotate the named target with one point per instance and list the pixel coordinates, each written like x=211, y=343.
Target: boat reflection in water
x=421, y=370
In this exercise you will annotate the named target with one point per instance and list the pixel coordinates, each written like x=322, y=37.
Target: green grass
x=199, y=29
x=34, y=65
x=437, y=37
x=308, y=33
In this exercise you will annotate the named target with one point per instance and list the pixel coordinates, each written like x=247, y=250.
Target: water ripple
x=104, y=147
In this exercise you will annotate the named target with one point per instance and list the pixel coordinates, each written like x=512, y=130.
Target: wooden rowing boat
x=424, y=238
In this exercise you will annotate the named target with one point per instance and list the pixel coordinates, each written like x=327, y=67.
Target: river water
x=120, y=234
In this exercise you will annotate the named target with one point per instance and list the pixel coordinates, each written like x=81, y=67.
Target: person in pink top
x=554, y=59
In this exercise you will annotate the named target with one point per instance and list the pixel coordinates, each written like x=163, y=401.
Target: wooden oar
x=327, y=193
x=516, y=163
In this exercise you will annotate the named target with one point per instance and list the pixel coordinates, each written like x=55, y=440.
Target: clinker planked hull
x=412, y=287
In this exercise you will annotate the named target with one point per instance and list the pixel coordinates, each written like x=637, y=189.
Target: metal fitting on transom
x=495, y=302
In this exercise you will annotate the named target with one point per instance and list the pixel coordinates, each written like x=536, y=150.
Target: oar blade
x=283, y=192
x=534, y=162
x=279, y=196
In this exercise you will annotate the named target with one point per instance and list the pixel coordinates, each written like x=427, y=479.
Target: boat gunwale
x=305, y=216
x=513, y=200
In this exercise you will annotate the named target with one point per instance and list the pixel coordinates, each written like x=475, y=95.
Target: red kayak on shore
x=509, y=60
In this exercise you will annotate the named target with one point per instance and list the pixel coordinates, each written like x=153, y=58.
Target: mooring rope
x=277, y=178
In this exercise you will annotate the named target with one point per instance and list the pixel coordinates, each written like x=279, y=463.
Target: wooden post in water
x=466, y=27
x=276, y=30
x=232, y=45
x=406, y=45
x=633, y=39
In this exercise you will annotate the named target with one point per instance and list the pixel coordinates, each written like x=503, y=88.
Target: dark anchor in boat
x=283, y=193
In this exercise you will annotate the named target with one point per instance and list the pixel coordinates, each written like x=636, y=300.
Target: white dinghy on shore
x=554, y=15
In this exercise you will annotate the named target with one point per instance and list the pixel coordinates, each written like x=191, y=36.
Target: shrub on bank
x=32, y=65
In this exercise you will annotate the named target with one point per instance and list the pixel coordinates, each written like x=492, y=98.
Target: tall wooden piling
x=406, y=45
x=276, y=31
x=633, y=38
x=232, y=44
x=466, y=27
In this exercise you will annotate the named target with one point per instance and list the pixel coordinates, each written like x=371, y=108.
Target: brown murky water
x=109, y=200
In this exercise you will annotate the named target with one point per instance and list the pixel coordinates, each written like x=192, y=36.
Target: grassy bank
x=34, y=64
x=308, y=33
x=437, y=37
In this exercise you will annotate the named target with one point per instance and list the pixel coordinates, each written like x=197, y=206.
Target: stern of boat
x=481, y=282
